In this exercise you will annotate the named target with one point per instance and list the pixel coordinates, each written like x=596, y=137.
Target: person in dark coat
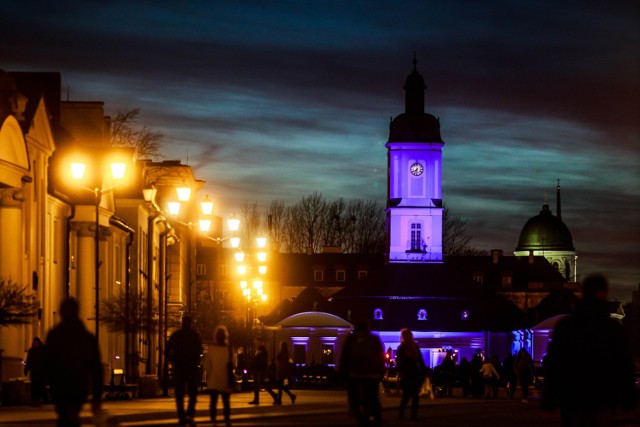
x=284, y=373
x=523, y=366
x=259, y=366
x=464, y=375
x=510, y=377
x=35, y=365
x=73, y=366
x=184, y=350
x=412, y=371
x=588, y=367
x=362, y=366
x=477, y=383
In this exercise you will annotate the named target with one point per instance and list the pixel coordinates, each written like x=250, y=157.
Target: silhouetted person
x=73, y=365
x=218, y=382
x=259, y=366
x=448, y=370
x=412, y=371
x=464, y=375
x=510, y=377
x=588, y=368
x=35, y=365
x=184, y=350
x=362, y=366
x=284, y=372
x=523, y=366
x=477, y=383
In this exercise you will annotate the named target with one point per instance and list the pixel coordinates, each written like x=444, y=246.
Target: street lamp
x=253, y=265
x=117, y=170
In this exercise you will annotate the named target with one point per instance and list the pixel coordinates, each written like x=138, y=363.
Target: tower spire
x=558, y=206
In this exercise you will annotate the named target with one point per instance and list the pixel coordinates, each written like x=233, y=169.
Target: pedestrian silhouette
x=523, y=367
x=72, y=360
x=184, y=350
x=259, y=366
x=35, y=365
x=412, y=371
x=284, y=373
x=588, y=370
x=362, y=367
x=217, y=363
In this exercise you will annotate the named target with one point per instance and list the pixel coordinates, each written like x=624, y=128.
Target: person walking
x=73, y=366
x=589, y=393
x=184, y=350
x=412, y=371
x=284, y=373
x=510, y=376
x=35, y=364
x=218, y=381
x=258, y=366
x=489, y=376
x=523, y=366
x=362, y=366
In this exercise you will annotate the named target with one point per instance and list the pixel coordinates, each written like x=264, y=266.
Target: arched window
x=464, y=315
x=422, y=314
x=377, y=314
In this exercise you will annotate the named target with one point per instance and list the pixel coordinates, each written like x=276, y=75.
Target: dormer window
x=422, y=314
x=377, y=314
x=318, y=275
x=341, y=275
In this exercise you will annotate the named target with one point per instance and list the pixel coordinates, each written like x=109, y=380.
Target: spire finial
x=558, y=205
x=415, y=62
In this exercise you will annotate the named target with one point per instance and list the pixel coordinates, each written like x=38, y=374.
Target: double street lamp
x=252, y=268
x=117, y=169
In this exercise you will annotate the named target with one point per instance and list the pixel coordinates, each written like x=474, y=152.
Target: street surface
x=312, y=408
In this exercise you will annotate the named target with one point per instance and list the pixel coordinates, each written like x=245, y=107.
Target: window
x=422, y=314
x=377, y=314
x=327, y=354
x=567, y=270
x=464, y=315
x=318, y=275
x=201, y=270
x=478, y=277
x=222, y=270
x=507, y=280
x=362, y=274
x=341, y=275
x=416, y=236
x=299, y=354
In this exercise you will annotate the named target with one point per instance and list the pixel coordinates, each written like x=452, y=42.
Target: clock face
x=416, y=169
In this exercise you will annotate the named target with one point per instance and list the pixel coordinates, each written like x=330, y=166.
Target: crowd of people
x=69, y=362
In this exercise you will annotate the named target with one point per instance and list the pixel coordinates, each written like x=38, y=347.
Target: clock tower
x=414, y=182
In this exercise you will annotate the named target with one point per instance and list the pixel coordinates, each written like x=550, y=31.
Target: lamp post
x=117, y=169
x=252, y=268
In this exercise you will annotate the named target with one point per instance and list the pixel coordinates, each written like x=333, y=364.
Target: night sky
x=275, y=100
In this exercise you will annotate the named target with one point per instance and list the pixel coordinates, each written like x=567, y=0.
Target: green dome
x=545, y=232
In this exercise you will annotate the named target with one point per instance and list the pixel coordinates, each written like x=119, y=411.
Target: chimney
x=496, y=254
x=531, y=258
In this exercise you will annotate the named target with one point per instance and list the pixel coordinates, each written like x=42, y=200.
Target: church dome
x=545, y=232
x=417, y=127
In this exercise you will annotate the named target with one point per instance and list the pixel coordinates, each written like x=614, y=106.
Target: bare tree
x=276, y=223
x=17, y=306
x=125, y=132
x=250, y=223
x=455, y=237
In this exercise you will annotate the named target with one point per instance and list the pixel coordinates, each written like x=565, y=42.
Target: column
x=84, y=289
